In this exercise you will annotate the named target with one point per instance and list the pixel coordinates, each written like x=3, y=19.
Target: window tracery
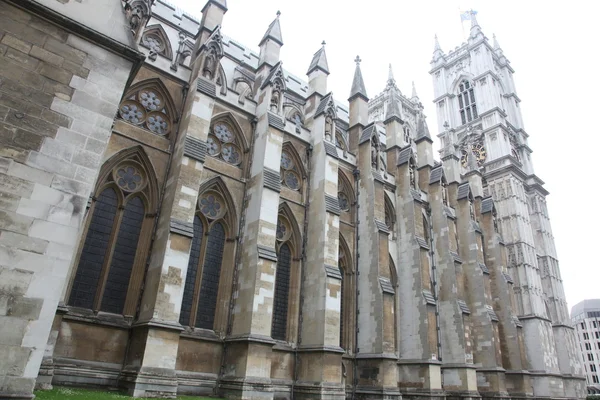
x=347, y=295
x=148, y=108
x=111, y=258
x=156, y=40
x=208, y=257
x=290, y=169
x=466, y=102
x=223, y=143
x=345, y=194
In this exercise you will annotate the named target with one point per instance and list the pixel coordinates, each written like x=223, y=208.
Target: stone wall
x=58, y=97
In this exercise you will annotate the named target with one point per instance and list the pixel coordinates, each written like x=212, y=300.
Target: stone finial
x=497, y=48
x=475, y=28
x=391, y=82
x=358, y=84
x=437, y=50
x=323, y=43
x=414, y=91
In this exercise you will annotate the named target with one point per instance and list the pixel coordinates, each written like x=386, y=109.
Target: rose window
x=211, y=206
x=146, y=108
x=289, y=173
x=343, y=202
x=281, y=230
x=128, y=178
x=221, y=142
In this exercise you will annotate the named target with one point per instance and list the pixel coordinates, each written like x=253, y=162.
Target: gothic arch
x=111, y=258
x=292, y=110
x=286, y=294
x=156, y=39
x=222, y=79
x=243, y=87
x=148, y=104
x=289, y=147
x=228, y=117
x=390, y=214
x=217, y=185
x=341, y=140
x=347, y=291
x=461, y=78
x=346, y=196
x=211, y=53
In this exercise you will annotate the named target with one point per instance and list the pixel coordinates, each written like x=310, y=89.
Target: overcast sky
x=552, y=45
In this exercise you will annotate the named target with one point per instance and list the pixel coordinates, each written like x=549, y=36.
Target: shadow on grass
x=65, y=393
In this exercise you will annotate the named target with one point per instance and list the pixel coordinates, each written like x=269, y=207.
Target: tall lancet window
x=210, y=258
x=286, y=293
x=466, y=102
x=111, y=259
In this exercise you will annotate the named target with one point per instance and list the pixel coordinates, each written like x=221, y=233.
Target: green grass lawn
x=60, y=393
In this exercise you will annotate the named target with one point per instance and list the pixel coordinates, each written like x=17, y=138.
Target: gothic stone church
x=180, y=215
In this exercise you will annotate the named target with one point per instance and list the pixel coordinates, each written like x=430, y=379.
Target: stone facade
x=181, y=215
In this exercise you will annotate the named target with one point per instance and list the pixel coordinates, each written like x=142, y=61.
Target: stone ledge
x=251, y=338
x=175, y=326
x=324, y=349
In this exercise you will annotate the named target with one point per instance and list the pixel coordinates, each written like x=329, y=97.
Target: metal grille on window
x=281, y=297
x=94, y=250
x=117, y=282
x=192, y=272
x=211, y=272
x=466, y=102
x=289, y=171
x=221, y=143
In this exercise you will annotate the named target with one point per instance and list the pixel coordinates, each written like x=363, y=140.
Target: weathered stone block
x=14, y=222
x=14, y=281
x=58, y=74
x=75, y=69
x=53, y=232
x=46, y=56
x=25, y=309
x=28, y=173
x=23, y=59
x=94, y=104
x=70, y=186
x=57, y=149
x=28, y=140
x=33, y=208
x=23, y=242
x=51, y=164
x=12, y=329
x=16, y=186
x=14, y=359
x=15, y=43
x=55, y=118
x=31, y=123
x=66, y=51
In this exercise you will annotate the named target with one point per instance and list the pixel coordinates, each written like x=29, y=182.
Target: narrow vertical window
x=117, y=282
x=466, y=102
x=94, y=250
x=281, y=296
x=192, y=272
x=211, y=272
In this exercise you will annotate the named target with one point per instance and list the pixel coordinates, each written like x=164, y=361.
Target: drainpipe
x=237, y=258
x=356, y=174
x=303, y=264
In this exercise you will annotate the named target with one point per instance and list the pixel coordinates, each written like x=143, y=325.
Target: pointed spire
x=422, y=129
x=414, y=91
x=273, y=32
x=393, y=110
x=319, y=61
x=391, y=82
x=475, y=28
x=358, y=85
x=437, y=50
x=497, y=48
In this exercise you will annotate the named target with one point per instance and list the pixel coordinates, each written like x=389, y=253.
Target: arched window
x=466, y=102
x=208, y=254
x=157, y=41
x=149, y=106
x=347, y=295
x=225, y=142
x=345, y=193
x=285, y=301
x=112, y=257
x=291, y=167
x=390, y=215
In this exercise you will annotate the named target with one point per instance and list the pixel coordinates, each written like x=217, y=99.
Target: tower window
x=466, y=102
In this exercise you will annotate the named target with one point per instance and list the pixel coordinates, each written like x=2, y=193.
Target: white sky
x=550, y=45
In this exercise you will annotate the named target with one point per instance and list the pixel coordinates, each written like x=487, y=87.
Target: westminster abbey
x=181, y=215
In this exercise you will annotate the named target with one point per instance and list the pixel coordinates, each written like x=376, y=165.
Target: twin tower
x=201, y=221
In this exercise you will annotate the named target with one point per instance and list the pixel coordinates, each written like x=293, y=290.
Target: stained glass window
x=281, y=296
x=147, y=108
x=211, y=272
x=221, y=143
x=289, y=171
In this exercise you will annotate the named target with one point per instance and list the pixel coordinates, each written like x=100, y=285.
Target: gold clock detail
x=478, y=151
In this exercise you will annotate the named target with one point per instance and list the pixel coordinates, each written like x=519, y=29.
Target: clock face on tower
x=478, y=151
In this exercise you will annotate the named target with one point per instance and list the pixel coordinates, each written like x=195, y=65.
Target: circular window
x=128, y=178
x=343, y=202
x=231, y=154
x=132, y=111
x=157, y=123
x=286, y=161
x=211, y=205
x=283, y=229
x=153, y=43
x=223, y=133
x=151, y=100
x=292, y=180
x=213, y=146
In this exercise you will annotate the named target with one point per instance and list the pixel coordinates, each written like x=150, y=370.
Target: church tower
x=482, y=135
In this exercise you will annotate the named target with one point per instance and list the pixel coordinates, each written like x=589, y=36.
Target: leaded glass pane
x=281, y=297
x=192, y=271
x=119, y=274
x=211, y=272
x=94, y=250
